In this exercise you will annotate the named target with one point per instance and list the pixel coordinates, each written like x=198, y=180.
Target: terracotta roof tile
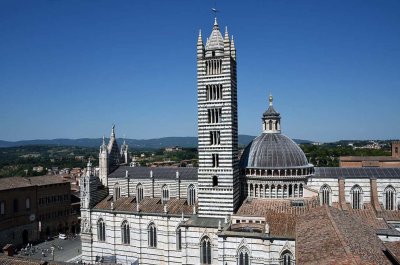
x=326, y=235
x=394, y=249
x=21, y=182
x=280, y=215
x=147, y=205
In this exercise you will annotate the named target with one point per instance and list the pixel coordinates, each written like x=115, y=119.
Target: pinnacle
x=226, y=37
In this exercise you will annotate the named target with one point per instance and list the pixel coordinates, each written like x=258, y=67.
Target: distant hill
x=156, y=143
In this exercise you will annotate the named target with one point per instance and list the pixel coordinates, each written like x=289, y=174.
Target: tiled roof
x=20, y=182
x=327, y=235
x=185, y=173
x=394, y=249
x=196, y=221
x=147, y=205
x=369, y=216
x=369, y=158
x=280, y=215
x=363, y=172
x=6, y=260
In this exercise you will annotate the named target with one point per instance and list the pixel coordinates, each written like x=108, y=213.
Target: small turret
x=271, y=119
x=233, y=49
x=124, y=153
x=103, y=163
x=227, y=43
x=200, y=47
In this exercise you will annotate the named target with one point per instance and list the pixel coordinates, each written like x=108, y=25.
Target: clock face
x=32, y=217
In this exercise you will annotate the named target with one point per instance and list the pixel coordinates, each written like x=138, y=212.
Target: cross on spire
x=214, y=9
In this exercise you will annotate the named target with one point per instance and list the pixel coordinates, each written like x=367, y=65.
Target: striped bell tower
x=218, y=174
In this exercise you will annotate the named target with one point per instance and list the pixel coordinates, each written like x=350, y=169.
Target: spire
x=104, y=140
x=89, y=168
x=226, y=37
x=200, y=39
x=270, y=99
x=113, y=131
x=233, y=49
x=215, y=42
x=215, y=23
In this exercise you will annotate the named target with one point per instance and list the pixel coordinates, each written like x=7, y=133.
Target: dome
x=273, y=150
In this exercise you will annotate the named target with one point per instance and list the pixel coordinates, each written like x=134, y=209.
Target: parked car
x=62, y=236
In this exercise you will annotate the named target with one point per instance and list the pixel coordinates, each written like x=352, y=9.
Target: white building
x=226, y=211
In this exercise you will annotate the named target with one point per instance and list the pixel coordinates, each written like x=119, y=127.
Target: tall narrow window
x=287, y=258
x=389, y=198
x=356, y=197
x=215, y=137
x=178, y=239
x=165, y=194
x=152, y=235
x=2, y=207
x=215, y=160
x=28, y=204
x=214, y=92
x=139, y=192
x=125, y=233
x=191, y=194
x=325, y=194
x=214, y=115
x=15, y=205
x=101, y=230
x=205, y=251
x=243, y=256
x=213, y=66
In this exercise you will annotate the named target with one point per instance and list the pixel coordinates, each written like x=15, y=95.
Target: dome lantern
x=271, y=119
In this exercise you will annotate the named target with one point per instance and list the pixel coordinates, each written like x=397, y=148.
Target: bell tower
x=218, y=174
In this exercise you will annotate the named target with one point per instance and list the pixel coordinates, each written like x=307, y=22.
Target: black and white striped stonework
x=218, y=175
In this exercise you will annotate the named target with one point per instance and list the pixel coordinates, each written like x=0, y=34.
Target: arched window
x=117, y=191
x=215, y=181
x=270, y=125
x=389, y=198
x=125, y=233
x=101, y=230
x=165, y=194
x=325, y=194
x=243, y=256
x=205, y=251
x=178, y=239
x=139, y=192
x=28, y=203
x=356, y=197
x=286, y=258
x=191, y=194
x=152, y=235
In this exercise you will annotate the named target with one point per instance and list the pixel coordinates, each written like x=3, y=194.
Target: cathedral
x=267, y=206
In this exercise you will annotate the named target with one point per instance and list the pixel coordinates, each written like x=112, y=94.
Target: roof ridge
x=340, y=236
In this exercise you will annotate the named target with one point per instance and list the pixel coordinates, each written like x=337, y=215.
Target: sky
x=73, y=68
